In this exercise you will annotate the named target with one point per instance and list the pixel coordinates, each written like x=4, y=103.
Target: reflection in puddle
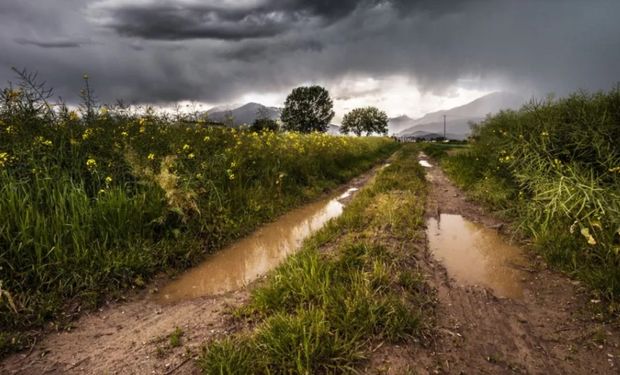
x=476, y=255
x=425, y=164
x=253, y=256
x=348, y=193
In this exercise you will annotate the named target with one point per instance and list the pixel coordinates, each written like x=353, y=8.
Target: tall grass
x=554, y=166
x=97, y=202
x=322, y=310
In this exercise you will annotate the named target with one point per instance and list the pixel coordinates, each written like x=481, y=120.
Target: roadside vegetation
x=96, y=201
x=554, y=168
x=354, y=286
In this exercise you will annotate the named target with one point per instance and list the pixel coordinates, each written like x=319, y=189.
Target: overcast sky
x=404, y=56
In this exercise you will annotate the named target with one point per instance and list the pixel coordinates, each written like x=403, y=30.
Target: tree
x=308, y=109
x=264, y=124
x=368, y=119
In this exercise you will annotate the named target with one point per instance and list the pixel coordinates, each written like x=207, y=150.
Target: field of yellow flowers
x=98, y=202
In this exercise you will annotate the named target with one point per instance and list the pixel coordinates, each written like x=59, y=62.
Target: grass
x=354, y=283
x=95, y=203
x=553, y=167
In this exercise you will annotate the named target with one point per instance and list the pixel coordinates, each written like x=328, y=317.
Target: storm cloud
x=160, y=51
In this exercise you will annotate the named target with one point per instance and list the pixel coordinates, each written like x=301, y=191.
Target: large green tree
x=308, y=109
x=368, y=119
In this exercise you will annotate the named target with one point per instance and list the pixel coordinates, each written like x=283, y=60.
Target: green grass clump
x=98, y=201
x=320, y=310
x=554, y=167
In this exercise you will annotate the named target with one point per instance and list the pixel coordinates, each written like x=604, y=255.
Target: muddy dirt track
x=549, y=330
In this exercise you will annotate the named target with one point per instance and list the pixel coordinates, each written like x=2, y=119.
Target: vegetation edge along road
x=552, y=168
x=354, y=286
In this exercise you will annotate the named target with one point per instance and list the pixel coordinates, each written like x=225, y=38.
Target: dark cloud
x=188, y=20
x=58, y=43
x=159, y=51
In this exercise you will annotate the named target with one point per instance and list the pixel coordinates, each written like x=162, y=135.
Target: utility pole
x=444, y=127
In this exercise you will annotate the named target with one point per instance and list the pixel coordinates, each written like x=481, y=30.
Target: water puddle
x=244, y=261
x=425, y=164
x=476, y=255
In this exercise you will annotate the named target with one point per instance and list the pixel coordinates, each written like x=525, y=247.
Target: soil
x=131, y=337
x=553, y=329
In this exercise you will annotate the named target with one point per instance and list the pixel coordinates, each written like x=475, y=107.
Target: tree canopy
x=367, y=119
x=308, y=109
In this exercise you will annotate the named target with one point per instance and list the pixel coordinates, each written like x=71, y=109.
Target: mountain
x=333, y=129
x=458, y=118
x=245, y=114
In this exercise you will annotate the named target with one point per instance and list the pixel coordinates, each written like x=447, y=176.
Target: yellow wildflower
x=87, y=133
x=586, y=233
x=151, y=156
x=108, y=180
x=91, y=164
x=191, y=156
x=4, y=159
x=125, y=134
x=186, y=147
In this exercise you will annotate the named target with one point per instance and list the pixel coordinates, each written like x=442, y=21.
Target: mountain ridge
x=457, y=118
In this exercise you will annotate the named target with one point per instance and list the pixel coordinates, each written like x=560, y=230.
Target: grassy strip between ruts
x=553, y=168
x=354, y=283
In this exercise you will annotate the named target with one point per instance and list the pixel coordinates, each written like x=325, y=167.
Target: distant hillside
x=458, y=118
x=245, y=114
x=333, y=129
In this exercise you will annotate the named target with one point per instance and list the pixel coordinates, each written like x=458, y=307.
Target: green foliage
x=98, y=203
x=319, y=309
x=264, y=124
x=554, y=166
x=368, y=119
x=308, y=109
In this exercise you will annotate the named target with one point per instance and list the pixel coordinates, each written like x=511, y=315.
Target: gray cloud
x=163, y=51
x=54, y=43
x=179, y=21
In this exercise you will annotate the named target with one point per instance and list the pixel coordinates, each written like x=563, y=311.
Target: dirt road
x=550, y=330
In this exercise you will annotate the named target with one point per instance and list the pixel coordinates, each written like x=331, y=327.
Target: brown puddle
x=476, y=255
x=244, y=261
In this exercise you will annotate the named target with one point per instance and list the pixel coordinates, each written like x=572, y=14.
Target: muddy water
x=476, y=255
x=246, y=260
